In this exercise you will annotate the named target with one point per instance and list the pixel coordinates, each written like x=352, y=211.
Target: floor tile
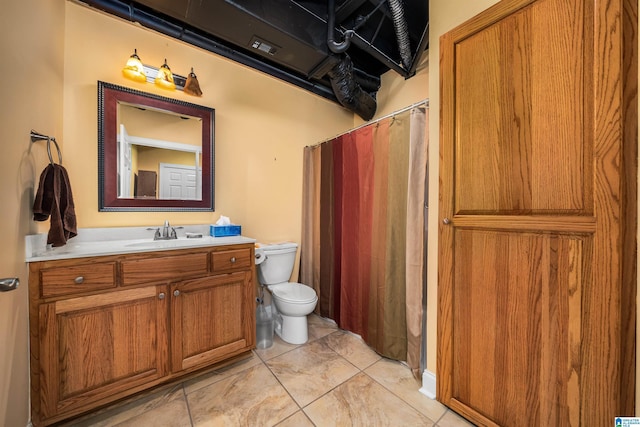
x=397, y=378
x=132, y=408
x=299, y=419
x=318, y=326
x=250, y=398
x=363, y=402
x=310, y=371
x=172, y=414
x=220, y=374
x=279, y=347
x=352, y=348
x=451, y=419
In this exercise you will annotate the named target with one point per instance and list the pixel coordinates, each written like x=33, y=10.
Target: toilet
x=292, y=301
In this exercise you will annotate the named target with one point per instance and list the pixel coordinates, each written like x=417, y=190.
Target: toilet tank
x=278, y=264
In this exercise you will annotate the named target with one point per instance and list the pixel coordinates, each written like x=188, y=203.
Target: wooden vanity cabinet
x=100, y=330
x=214, y=316
x=210, y=319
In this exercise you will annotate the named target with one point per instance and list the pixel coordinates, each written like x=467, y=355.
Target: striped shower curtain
x=363, y=240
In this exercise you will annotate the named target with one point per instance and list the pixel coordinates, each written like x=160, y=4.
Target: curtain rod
x=424, y=102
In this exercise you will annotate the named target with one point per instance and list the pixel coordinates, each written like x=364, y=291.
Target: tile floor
x=332, y=380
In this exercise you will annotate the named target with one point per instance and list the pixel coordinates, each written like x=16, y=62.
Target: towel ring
x=49, y=140
x=35, y=136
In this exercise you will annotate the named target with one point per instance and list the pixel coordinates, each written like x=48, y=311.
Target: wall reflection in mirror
x=159, y=154
x=155, y=153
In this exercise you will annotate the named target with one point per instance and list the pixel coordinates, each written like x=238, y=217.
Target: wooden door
x=146, y=184
x=96, y=348
x=536, y=306
x=212, y=318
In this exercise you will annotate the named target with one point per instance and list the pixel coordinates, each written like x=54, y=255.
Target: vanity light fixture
x=192, y=87
x=134, y=69
x=164, y=78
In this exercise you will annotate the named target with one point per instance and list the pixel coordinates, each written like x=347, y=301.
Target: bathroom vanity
x=108, y=323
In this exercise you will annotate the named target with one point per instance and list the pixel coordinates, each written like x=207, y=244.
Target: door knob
x=161, y=295
x=176, y=293
x=446, y=221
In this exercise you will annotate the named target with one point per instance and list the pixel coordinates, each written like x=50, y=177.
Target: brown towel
x=54, y=199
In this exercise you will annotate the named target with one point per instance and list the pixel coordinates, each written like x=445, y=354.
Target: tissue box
x=225, y=230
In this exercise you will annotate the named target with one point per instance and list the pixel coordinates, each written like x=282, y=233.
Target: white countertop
x=122, y=240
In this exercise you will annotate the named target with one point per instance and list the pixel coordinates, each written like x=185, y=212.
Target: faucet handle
x=174, y=234
x=156, y=235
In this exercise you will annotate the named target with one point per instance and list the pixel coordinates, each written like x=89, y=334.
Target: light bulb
x=164, y=79
x=134, y=69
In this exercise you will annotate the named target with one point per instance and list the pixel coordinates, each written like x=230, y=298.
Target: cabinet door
x=537, y=214
x=212, y=318
x=101, y=347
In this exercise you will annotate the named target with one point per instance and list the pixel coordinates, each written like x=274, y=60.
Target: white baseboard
x=428, y=384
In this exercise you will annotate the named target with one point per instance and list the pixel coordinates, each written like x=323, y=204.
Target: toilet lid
x=294, y=292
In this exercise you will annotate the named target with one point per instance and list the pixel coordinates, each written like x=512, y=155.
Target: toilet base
x=293, y=329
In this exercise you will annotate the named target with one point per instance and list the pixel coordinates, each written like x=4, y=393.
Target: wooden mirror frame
x=108, y=97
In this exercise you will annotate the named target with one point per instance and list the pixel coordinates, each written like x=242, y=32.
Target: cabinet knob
x=161, y=295
x=446, y=221
x=176, y=293
x=78, y=280
x=233, y=260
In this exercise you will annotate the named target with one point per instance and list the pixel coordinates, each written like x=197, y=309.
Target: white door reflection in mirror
x=124, y=164
x=180, y=182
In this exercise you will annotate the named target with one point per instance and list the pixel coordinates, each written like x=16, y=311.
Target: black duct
x=343, y=82
x=348, y=91
x=402, y=33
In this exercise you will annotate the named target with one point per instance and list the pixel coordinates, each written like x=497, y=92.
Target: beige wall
x=31, y=42
x=261, y=126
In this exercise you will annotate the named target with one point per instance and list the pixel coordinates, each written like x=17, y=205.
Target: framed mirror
x=154, y=153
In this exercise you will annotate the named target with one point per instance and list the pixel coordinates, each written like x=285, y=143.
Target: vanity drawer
x=231, y=260
x=163, y=268
x=59, y=281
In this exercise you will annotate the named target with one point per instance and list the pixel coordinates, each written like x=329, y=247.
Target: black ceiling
x=288, y=38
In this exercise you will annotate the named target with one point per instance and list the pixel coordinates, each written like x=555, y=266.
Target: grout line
x=395, y=394
x=264, y=362
x=186, y=400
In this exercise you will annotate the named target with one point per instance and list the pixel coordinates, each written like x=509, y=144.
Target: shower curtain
x=363, y=241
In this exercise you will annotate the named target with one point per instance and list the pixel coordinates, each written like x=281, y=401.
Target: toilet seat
x=293, y=293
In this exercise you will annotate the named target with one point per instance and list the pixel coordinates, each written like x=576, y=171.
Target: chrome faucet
x=165, y=230
x=168, y=232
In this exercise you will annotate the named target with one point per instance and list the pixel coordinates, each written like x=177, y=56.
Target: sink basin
x=177, y=243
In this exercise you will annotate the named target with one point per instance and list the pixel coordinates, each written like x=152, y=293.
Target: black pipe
x=334, y=46
x=422, y=46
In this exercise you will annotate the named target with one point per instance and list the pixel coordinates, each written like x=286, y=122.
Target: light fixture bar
x=151, y=73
